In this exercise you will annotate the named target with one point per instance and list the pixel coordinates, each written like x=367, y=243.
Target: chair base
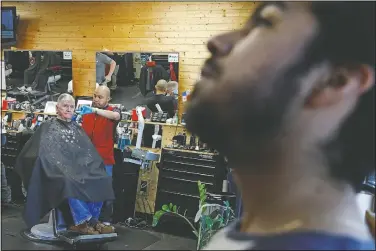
x=39, y=236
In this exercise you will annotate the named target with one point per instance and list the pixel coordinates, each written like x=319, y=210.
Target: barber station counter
x=145, y=199
x=21, y=114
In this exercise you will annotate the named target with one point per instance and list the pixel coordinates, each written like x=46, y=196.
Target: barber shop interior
x=139, y=126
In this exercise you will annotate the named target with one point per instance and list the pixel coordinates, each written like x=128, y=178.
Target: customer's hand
x=86, y=110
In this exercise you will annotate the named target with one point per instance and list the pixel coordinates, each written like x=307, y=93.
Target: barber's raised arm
x=113, y=115
x=107, y=60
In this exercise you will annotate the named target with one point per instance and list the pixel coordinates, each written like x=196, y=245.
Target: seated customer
x=172, y=89
x=60, y=165
x=167, y=103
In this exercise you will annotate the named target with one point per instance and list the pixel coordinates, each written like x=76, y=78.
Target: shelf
x=188, y=151
x=155, y=150
x=154, y=123
x=42, y=113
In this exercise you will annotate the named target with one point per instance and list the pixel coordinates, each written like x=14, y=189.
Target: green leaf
x=157, y=216
x=171, y=206
x=202, y=193
x=204, y=198
x=209, y=222
x=174, y=209
x=165, y=208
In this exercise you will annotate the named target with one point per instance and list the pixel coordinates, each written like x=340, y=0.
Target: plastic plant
x=212, y=217
x=172, y=209
x=209, y=223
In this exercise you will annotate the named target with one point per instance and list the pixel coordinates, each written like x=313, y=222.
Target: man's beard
x=242, y=121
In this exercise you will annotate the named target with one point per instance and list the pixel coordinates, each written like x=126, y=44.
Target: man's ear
x=343, y=83
x=367, y=76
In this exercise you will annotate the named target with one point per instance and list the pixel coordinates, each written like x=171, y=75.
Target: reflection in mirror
x=140, y=79
x=35, y=77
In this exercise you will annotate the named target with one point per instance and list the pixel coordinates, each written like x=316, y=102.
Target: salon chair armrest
x=369, y=187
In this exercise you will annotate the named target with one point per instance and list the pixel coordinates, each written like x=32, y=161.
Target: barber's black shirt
x=167, y=103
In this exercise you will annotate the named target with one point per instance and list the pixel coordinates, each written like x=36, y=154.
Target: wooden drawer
x=184, y=186
x=188, y=167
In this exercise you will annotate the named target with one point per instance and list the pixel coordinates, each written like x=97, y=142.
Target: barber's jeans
x=6, y=195
x=84, y=211
x=107, y=208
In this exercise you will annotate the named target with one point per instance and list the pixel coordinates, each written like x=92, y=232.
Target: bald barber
x=99, y=123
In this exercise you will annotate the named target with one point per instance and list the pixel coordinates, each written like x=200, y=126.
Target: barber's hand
x=86, y=110
x=108, y=78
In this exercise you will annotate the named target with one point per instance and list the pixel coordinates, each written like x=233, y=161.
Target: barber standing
x=99, y=123
x=100, y=69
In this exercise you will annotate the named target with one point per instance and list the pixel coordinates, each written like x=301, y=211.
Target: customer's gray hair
x=65, y=97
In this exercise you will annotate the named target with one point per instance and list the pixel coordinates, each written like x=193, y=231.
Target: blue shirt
x=231, y=239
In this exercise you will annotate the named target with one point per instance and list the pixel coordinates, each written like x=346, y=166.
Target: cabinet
x=179, y=172
x=9, y=154
x=11, y=149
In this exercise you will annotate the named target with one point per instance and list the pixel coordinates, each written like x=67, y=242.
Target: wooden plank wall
x=87, y=27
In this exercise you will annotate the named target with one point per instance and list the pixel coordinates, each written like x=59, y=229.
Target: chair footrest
x=74, y=237
x=17, y=93
x=37, y=93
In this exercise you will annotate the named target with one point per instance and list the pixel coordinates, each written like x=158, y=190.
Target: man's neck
x=63, y=119
x=102, y=107
x=298, y=196
x=159, y=93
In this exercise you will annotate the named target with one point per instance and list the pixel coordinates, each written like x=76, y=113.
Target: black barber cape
x=167, y=103
x=59, y=162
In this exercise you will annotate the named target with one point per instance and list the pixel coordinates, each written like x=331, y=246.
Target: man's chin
x=204, y=118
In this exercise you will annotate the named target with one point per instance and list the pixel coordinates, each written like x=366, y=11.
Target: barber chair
x=38, y=97
x=55, y=232
x=54, y=74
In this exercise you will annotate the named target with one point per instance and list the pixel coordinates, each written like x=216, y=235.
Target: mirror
x=36, y=77
x=135, y=76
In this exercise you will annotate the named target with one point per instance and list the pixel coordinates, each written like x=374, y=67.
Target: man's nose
x=219, y=47
x=222, y=45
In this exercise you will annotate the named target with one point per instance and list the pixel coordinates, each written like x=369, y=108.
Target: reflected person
x=167, y=103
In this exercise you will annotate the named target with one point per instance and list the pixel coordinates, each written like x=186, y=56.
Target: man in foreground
x=298, y=129
x=99, y=123
x=60, y=166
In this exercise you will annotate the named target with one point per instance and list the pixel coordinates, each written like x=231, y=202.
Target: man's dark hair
x=347, y=39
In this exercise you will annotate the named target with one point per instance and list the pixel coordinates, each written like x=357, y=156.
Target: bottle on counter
x=175, y=120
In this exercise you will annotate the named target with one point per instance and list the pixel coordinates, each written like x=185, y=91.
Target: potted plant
x=211, y=217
